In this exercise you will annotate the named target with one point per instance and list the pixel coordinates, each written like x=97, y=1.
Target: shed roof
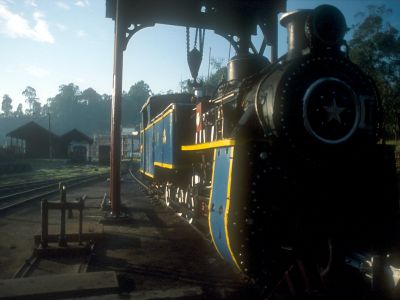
x=76, y=135
x=30, y=130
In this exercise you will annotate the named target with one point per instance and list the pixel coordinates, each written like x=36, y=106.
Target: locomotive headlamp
x=326, y=24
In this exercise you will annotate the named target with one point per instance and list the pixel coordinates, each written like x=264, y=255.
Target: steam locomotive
x=285, y=165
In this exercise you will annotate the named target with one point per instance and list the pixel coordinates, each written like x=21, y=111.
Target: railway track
x=16, y=195
x=20, y=187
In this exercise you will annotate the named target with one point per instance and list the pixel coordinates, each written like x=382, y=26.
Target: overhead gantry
x=235, y=20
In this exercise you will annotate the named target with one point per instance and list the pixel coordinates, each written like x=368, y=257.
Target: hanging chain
x=195, y=38
x=200, y=34
x=187, y=40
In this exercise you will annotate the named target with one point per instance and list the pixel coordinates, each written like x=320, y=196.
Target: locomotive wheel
x=190, y=200
x=180, y=196
x=168, y=194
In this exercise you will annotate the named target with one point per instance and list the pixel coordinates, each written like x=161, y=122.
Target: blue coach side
x=164, y=129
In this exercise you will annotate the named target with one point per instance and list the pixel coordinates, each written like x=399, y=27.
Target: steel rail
x=18, y=201
x=25, y=185
x=44, y=187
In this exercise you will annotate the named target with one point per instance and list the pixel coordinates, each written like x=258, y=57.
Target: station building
x=129, y=143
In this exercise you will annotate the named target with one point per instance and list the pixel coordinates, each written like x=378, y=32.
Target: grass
x=52, y=169
x=46, y=169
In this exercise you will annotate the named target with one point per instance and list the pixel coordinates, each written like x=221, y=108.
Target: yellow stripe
x=210, y=145
x=141, y=171
x=159, y=118
x=228, y=202
x=209, y=203
x=164, y=165
x=148, y=174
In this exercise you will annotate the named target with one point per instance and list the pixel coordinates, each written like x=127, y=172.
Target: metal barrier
x=63, y=205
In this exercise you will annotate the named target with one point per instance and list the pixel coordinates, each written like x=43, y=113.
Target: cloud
x=36, y=71
x=31, y=3
x=62, y=5
x=82, y=3
x=61, y=27
x=16, y=26
x=81, y=33
x=80, y=80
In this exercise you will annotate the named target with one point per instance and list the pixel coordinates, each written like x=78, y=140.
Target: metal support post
x=62, y=240
x=45, y=220
x=274, y=38
x=81, y=203
x=119, y=40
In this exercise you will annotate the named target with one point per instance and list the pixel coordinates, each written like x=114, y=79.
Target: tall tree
x=6, y=106
x=65, y=108
x=19, y=113
x=133, y=101
x=36, y=108
x=30, y=99
x=375, y=47
x=97, y=111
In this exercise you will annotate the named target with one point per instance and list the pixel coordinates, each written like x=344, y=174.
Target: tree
x=375, y=47
x=133, y=101
x=97, y=110
x=6, y=106
x=36, y=108
x=31, y=100
x=65, y=109
x=218, y=75
x=210, y=84
x=19, y=113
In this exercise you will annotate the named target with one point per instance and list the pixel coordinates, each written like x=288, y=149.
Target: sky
x=47, y=43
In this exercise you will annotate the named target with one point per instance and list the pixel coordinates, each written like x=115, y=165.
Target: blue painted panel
x=142, y=151
x=149, y=155
x=158, y=149
x=218, y=214
x=146, y=153
x=151, y=151
x=168, y=145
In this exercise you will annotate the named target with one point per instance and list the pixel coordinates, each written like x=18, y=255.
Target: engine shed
x=77, y=145
x=34, y=141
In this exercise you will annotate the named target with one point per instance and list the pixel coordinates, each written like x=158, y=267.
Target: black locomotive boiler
x=285, y=164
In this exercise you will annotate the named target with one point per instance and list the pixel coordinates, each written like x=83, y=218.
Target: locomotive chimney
x=295, y=22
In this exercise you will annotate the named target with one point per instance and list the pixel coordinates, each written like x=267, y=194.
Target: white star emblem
x=334, y=112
